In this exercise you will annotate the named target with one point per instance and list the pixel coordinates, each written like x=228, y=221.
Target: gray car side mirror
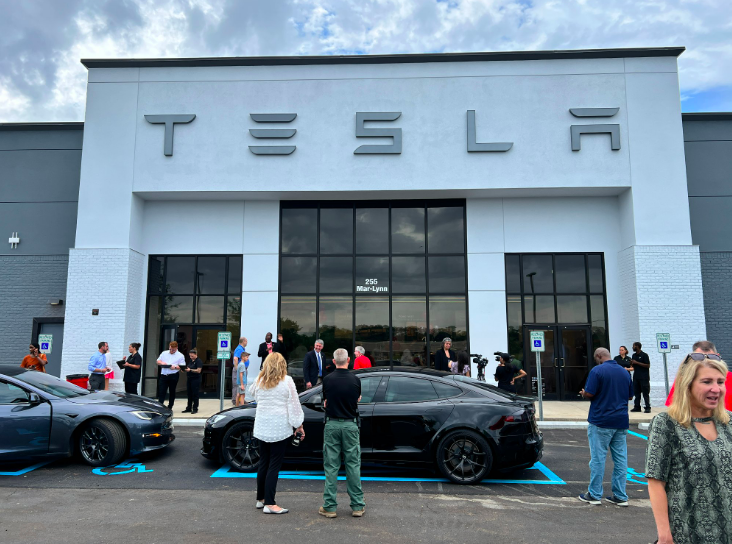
x=34, y=398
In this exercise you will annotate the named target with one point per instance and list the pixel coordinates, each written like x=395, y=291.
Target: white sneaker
x=267, y=510
x=260, y=505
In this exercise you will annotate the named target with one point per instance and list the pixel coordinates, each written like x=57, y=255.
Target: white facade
x=540, y=196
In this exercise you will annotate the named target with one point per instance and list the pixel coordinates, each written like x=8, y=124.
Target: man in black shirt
x=341, y=393
x=193, y=382
x=641, y=378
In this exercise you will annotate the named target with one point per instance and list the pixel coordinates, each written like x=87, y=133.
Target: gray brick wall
x=717, y=279
x=27, y=283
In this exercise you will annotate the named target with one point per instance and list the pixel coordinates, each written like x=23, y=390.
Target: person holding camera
x=341, y=393
x=278, y=413
x=506, y=373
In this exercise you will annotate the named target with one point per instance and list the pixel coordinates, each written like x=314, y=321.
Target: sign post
x=223, y=353
x=663, y=343
x=46, y=343
x=537, y=346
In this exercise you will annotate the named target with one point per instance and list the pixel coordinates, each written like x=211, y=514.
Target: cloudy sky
x=41, y=41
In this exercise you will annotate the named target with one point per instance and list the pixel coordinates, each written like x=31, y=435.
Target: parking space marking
x=552, y=479
x=24, y=470
x=129, y=465
x=644, y=437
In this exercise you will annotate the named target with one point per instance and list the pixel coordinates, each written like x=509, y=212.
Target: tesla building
x=384, y=201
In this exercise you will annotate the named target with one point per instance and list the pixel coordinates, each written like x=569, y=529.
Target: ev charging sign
x=46, y=343
x=537, y=341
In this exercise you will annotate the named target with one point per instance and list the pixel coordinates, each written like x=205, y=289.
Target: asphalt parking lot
x=175, y=495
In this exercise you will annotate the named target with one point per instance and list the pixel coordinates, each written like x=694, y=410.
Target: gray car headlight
x=215, y=419
x=145, y=415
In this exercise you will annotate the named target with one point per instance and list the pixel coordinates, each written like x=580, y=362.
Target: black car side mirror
x=34, y=398
x=316, y=401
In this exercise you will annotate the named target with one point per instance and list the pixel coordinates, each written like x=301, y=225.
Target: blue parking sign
x=537, y=343
x=664, y=345
x=224, y=344
x=44, y=345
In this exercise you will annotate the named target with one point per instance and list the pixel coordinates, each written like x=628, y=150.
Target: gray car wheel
x=102, y=443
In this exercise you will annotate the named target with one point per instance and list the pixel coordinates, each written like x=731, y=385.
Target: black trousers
x=131, y=387
x=271, y=455
x=96, y=381
x=642, y=387
x=193, y=387
x=167, y=383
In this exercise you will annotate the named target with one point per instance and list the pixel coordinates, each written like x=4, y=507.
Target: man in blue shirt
x=235, y=385
x=609, y=388
x=98, y=367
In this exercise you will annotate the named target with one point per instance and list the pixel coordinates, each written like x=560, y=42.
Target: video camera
x=498, y=356
x=481, y=362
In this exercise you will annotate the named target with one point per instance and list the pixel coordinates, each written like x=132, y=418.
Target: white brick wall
x=110, y=280
x=661, y=290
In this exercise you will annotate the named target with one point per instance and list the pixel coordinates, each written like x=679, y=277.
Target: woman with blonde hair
x=689, y=457
x=278, y=413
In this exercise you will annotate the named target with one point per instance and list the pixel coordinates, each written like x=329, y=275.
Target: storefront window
x=378, y=298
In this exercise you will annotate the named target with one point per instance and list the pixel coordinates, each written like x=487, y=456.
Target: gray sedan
x=42, y=416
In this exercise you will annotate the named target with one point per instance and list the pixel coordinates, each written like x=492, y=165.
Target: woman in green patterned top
x=689, y=458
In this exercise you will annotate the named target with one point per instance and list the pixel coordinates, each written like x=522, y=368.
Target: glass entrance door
x=564, y=363
x=205, y=342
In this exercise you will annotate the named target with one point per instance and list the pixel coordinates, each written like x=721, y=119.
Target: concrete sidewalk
x=553, y=411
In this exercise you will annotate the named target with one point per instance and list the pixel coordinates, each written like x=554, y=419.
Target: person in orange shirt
x=704, y=346
x=361, y=361
x=35, y=360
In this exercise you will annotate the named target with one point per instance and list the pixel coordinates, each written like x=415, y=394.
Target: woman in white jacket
x=278, y=413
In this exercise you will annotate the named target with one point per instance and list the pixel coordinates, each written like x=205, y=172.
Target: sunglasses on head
x=701, y=357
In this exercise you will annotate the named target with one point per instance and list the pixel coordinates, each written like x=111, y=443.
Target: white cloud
x=42, y=41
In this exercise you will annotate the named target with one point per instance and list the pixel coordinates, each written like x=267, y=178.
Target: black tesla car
x=464, y=428
x=42, y=416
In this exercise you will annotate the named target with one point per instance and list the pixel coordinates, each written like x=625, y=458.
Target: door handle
x=555, y=362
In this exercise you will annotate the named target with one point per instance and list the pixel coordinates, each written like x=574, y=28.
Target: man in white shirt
x=170, y=362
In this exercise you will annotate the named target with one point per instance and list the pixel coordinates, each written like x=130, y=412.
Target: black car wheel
x=102, y=443
x=240, y=448
x=464, y=457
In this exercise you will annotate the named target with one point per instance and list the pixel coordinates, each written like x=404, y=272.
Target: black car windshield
x=51, y=384
x=485, y=386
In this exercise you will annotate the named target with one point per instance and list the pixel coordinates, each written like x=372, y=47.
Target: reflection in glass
x=155, y=272
x=233, y=316
x=446, y=230
x=447, y=274
x=538, y=277
x=235, y=269
x=448, y=319
x=336, y=230
x=407, y=230
x=513, y=274
x=211, y=275
x=539, y=309
x=297, y=325
x=336, y=274
x=570, y=271
x=336, y=324
x=152, y=345
x=298, y=274
x=372, y=275
x=407, y=275
x=595, y=265
x=515, y=328
x=409, y=328
x=599, y=325
x=181, y=273
x=572, y=309
x=210, y=309
x=178, y=309
x=299, y=230
x=372, y=328
x=372, y=230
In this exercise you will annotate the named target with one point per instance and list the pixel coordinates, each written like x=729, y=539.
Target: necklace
x=702, y=419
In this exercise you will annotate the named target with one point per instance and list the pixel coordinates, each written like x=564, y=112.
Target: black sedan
x=464, y=428
x=42, y=416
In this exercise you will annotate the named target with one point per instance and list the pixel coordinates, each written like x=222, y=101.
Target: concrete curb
x=189, y=422
x=562, y=424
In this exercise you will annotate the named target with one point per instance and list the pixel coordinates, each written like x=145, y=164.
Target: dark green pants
x=342, y=437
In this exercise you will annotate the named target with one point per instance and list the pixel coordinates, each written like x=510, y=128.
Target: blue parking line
x=24, y=470
x=226, y=472
x=644, y=437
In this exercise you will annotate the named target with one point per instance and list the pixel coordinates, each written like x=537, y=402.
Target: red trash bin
x=82, y=380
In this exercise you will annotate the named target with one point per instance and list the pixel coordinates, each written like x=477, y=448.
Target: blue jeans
x=600, y=440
